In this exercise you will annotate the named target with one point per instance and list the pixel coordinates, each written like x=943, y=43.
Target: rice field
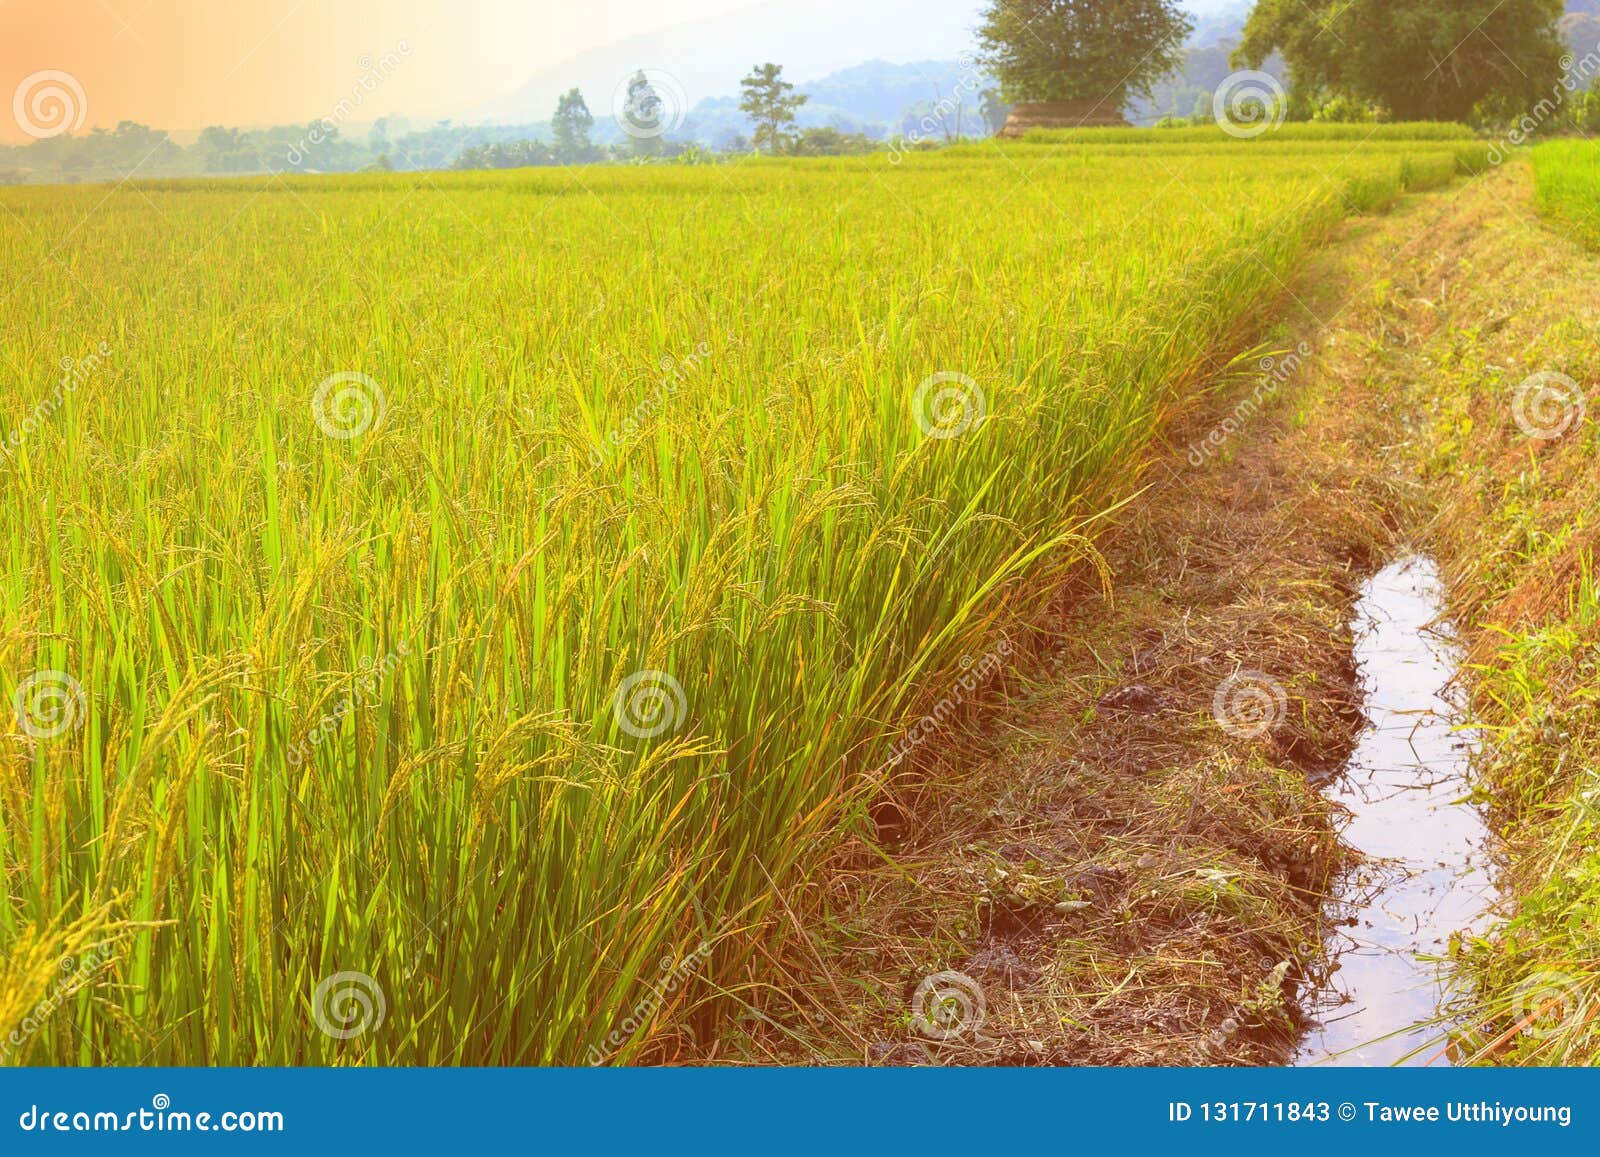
x=447, y=617
x=1568, y=179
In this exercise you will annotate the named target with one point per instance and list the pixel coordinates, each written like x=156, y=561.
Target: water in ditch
x=1428, y=873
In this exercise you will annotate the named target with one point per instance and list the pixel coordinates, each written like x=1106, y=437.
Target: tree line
x=1483, y=62
x=767, y=100
x=1486, y=62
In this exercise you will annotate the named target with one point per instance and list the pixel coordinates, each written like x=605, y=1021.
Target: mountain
x=881, y=91
x=1582, y=30
x=1223, y=22
x=706, y=58
x=1216, y=34
x=875, y=99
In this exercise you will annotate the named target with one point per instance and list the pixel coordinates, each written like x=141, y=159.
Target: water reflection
x=1429, y=874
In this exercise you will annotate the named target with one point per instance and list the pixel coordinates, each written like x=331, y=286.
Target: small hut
x=1061, y=114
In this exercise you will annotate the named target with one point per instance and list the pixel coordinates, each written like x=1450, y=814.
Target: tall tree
x=642, y=115
x=225, y=150
x=571, y=126
x=993, y=108
x=1106, y=51
x=1419, y=59
x=770, y=101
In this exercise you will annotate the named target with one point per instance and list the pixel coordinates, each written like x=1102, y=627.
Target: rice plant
x=442, y=612
x=1568, y=178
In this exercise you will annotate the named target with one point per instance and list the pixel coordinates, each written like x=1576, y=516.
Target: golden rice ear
x=45, y=969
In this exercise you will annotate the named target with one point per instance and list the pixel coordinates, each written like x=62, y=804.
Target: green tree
x=643, y=114
x=830, y=142
x=225, y=150
x=571, y=126
x=770, y=101
x=1418, y=59
x=1082, y=50
x=993, y=109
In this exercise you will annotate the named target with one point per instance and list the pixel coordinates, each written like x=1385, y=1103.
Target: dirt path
x=1129, y=865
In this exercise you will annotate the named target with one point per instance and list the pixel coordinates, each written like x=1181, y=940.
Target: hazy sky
x=183, y=64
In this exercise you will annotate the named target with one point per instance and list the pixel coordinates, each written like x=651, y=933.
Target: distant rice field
x=1226, y=130
x=1568, y=179
x=442, y=612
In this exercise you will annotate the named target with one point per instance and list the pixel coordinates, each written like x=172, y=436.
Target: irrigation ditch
x=1222, y=815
